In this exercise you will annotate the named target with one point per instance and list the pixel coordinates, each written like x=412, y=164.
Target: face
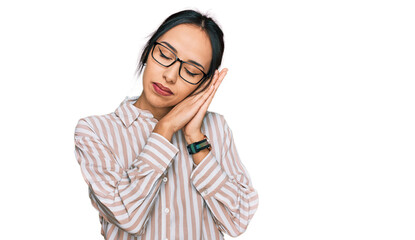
x=189, y=43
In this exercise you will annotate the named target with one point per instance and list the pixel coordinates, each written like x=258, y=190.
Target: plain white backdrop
x=319, y=96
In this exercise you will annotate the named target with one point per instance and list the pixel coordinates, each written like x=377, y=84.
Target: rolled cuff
x=158, y=152
x=208, y=176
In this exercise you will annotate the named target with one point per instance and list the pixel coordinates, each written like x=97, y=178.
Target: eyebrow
x=190, y=61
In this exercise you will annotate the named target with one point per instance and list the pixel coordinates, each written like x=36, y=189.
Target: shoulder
x=214, y=117
x=92, y=119
x=88, y=125
x=216, y=122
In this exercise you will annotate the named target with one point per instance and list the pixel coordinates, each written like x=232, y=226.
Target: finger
x=199, y=99
x=217, y=83
x=196, y=97
x=206, y=93
x=209, y=88
x=220, y=78
x=206, y=104
x=207, y=85
x=217, y=76
x=214, y=86
x=214, y=77
x=212, y=81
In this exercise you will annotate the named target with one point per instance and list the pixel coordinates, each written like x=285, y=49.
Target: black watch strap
x=198, y=146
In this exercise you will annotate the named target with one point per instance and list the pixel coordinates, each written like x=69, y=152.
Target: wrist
x=198, y=148
x=164, y=129
x=198, y=136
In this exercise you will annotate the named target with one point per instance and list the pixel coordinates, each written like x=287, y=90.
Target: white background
x=319, y=96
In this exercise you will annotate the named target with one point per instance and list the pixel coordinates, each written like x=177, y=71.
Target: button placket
x=166, y=204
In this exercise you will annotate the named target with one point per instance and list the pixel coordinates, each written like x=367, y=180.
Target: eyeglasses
x=188, y=72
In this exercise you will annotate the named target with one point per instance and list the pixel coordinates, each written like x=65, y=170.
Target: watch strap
x=198, y=146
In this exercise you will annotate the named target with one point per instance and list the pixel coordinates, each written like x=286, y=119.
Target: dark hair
x=206, y=23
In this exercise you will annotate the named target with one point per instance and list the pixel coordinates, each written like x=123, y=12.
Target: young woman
x=161, y=166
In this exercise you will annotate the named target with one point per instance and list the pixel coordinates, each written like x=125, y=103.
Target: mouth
x=162, y=90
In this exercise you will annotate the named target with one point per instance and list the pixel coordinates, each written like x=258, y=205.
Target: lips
x=161, y=90
x=163, y=87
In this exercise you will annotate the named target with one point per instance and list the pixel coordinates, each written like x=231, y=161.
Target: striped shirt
x=146, y=187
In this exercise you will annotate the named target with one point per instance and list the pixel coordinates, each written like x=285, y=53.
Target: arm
x=226, y=187
x=124, y=197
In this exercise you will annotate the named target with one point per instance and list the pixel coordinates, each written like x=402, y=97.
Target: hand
x=182, y=114
x=192, y=130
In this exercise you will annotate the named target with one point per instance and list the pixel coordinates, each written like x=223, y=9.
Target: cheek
x=149, y=71
x=184, y=89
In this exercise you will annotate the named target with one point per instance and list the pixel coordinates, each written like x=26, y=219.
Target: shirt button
x=166, y=210
x=165, y=179
x=206, y=192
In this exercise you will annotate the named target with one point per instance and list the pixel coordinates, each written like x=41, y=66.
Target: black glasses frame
x=175, y=60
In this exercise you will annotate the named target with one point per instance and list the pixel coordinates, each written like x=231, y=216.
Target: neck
x=158, y=112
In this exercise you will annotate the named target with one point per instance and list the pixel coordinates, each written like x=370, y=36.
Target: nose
x=171, y=73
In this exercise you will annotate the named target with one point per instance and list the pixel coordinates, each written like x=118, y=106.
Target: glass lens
x=191, y=73
x=163, y=55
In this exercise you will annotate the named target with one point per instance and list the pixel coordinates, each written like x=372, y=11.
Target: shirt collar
x=128, y=113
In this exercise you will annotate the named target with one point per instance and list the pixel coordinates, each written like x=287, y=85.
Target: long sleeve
x=226, y=187
x=124, y=197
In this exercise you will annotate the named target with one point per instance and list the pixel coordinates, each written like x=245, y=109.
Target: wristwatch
x=200, y=145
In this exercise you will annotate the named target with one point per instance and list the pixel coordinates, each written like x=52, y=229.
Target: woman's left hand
x=192, y=130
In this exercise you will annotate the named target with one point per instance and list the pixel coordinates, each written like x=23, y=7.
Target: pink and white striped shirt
x=146, y=187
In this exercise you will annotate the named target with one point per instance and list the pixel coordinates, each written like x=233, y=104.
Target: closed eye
x=192, y=74
x=163, y=56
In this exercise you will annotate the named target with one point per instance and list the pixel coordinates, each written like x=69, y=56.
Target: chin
x=157, y=101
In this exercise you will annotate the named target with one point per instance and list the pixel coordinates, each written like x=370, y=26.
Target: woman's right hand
x=184, y=111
